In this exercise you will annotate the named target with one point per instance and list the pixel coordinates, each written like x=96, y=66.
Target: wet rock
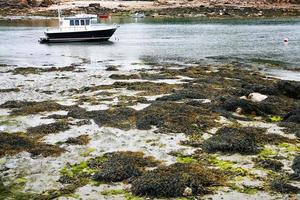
x=120, y=166
x=46, y=129
x=13, y=143
x=244, y=140
x=289, y=88
x=281, y=185
x=173, y=181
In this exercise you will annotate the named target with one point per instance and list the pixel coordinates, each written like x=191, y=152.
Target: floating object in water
x=286, y=39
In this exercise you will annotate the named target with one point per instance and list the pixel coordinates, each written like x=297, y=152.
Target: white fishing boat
x=78, y=28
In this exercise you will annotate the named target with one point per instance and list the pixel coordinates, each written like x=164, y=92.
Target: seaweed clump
x=282, y=185
x=296, y=168
x=271, y=164
x=249, y=107
x=176, y=179
x=35, y=70
x=10, y=90
x=32, y=107
x=289, y=88
x=80, y=140
x=13, y=143
x=46, y=129
x=243, y=140
x=293, y=116
x=119, y=166
x=176, y=118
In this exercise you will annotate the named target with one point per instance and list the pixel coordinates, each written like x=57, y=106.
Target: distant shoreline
x=156, y=9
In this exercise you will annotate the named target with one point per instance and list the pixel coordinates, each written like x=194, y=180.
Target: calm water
x=165, y=39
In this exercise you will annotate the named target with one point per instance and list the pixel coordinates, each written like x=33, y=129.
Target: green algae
x=227, y=166
x=276, y=118
x=77, y=170
x=185, y=159
x=267, y=152
x=245, y=190
x=87, y=152
x=14, y=190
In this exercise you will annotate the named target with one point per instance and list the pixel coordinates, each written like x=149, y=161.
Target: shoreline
x=163, y=9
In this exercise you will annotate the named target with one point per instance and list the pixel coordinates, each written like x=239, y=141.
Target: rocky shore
x=194, y=8
x=158, y=130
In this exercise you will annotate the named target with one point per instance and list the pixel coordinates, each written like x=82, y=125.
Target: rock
x=187, y=191
x=255, y=97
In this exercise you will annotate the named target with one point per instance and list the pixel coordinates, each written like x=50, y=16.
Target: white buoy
x=286, y=39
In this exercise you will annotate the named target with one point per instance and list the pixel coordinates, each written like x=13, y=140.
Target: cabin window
x=71, y=22
x=82, y=22
x=87, y=22
x=77, y=22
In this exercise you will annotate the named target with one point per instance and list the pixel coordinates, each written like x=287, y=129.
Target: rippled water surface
x=166, y=39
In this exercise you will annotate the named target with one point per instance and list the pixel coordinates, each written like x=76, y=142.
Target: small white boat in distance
x=138, y=15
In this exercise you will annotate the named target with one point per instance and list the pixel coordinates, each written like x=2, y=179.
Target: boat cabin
x=75, y=22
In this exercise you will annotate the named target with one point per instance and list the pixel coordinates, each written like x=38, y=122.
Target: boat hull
x=78, y=36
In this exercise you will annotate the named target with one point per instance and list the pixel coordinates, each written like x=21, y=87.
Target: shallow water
x=259, y=41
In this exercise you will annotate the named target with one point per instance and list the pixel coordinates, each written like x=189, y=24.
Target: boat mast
x=59, y=18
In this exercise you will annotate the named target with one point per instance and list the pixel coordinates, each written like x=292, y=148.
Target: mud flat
x=154, y=130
